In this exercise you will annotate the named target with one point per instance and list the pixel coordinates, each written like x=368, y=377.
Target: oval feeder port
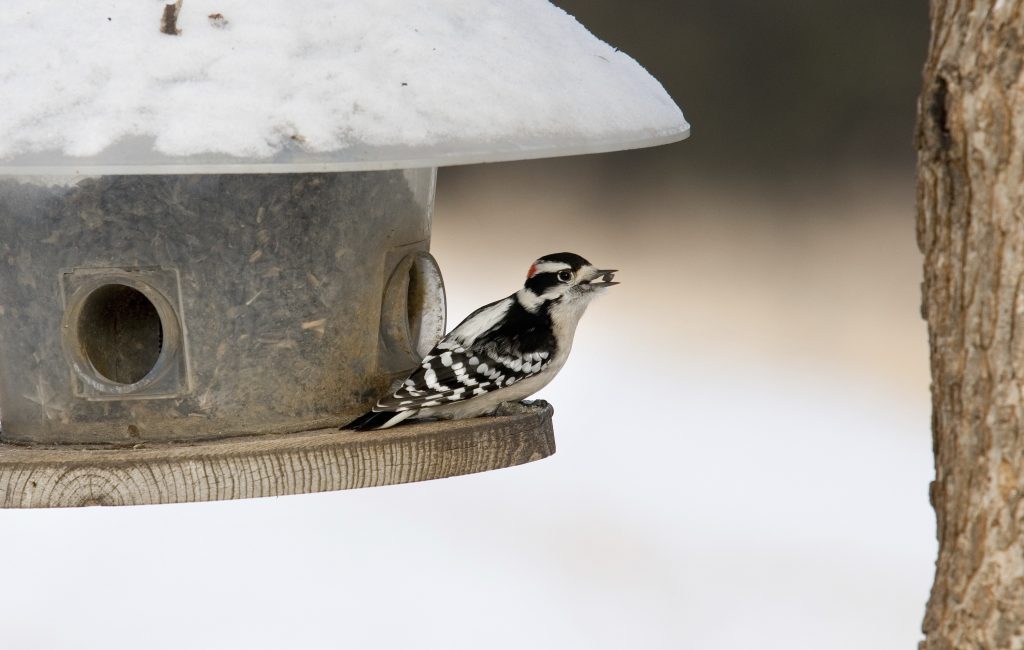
x=121, y=336
x=120, y=333
x=412, y=318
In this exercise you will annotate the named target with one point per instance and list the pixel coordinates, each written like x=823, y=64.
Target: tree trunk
x=970, y=227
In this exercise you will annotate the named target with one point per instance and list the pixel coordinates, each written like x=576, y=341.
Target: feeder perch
x=214, y=239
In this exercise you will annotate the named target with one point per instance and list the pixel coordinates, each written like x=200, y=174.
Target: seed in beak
x=606, y=277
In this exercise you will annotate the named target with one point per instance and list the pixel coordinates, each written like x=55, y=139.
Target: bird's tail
x=378, y=420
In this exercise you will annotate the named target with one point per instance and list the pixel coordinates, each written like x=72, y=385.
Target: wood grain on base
x=271, y=465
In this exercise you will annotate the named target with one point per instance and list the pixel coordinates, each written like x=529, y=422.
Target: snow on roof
x=359, y=84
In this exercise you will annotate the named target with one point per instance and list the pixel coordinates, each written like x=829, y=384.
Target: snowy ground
x=743, y=462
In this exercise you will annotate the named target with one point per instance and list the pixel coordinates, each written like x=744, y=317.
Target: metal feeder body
x=204, y=274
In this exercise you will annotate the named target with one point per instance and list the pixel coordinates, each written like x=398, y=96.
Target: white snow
x=370, y=83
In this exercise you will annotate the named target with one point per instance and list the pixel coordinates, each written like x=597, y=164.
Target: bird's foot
x=518, y=408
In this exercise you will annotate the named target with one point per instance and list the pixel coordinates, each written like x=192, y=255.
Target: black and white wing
x=495, y=347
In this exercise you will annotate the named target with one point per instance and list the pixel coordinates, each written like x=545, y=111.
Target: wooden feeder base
x=271, y=465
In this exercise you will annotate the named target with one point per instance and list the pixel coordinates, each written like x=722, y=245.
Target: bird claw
x=518, y=408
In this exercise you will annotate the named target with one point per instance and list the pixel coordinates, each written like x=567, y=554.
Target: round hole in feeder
x=415, y=300
x=120, y=332
x=425, y=303
x=413, y=315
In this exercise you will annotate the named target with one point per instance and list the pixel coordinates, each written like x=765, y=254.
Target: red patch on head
x=532, y=272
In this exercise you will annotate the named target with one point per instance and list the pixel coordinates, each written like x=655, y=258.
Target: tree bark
x=970, y=227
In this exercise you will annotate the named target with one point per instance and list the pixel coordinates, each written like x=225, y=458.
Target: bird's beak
x=604, y=278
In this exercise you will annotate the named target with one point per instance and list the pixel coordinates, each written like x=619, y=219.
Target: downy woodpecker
x=502, y=352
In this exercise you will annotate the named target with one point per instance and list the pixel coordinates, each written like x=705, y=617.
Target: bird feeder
x=215, y=229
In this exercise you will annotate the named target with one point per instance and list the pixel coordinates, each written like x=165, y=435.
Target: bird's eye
x=564, y=276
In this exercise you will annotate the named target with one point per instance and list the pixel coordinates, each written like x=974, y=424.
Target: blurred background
x=744, y=448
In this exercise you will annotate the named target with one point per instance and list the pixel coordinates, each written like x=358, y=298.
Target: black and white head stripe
x=547, y=273
x=556, y=262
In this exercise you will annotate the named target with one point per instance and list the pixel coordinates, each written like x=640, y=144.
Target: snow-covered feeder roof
x=313, y=85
